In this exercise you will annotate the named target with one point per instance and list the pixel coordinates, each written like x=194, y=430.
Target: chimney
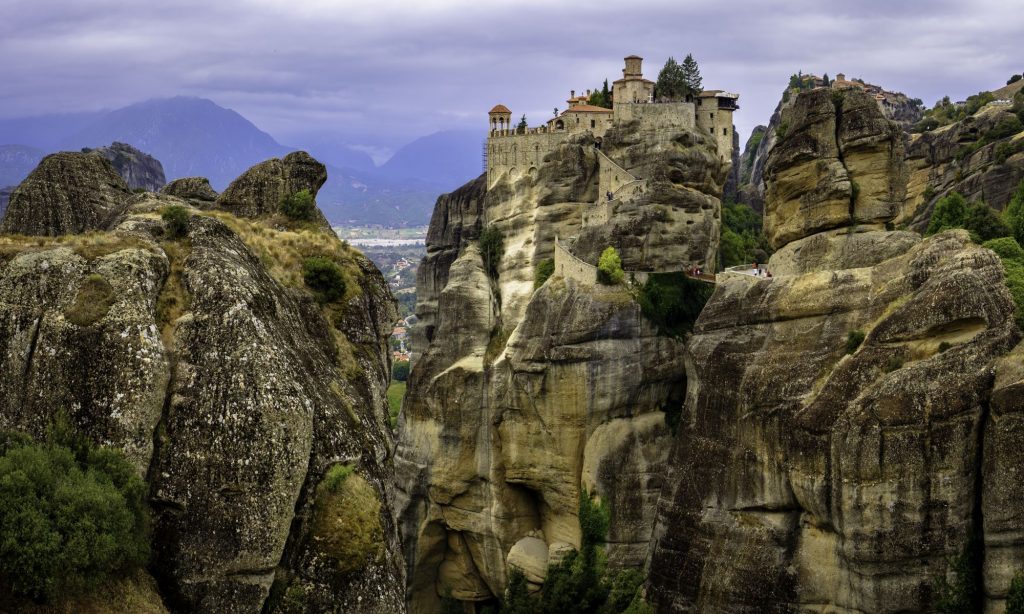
x=572, y=93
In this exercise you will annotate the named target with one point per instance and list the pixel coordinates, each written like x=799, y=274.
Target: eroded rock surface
x=228, y=385
x=194, y=189
x=68, y=193
x=816, y=472
x=139, y=170
x=260, y=190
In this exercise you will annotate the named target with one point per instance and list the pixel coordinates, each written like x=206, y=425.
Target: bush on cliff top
x=673, y=301
x=609, y=267
x=545, y=268
x=175, y=220
x=298, y=206
x=72, y=515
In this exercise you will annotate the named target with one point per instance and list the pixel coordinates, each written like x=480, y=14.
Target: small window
x=593, y=124
x=725, y=131
x=712, y=115
x=700, y=102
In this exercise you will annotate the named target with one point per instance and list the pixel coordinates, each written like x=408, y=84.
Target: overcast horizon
x=378, y=75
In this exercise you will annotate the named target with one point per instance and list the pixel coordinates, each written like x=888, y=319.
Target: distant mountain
x=45, y=132
x=16, y=162
x=449, y=158
x=189, y=136
x=197, y=137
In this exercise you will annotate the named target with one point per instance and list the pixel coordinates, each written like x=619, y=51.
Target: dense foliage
x=324, y=277
x=1012, y=255
x=400, y=371
x=299, y=206
x=953, y=211
x=1015, y=596
x=1014, y=214
x=492, y=248
x=72, y=515
x=545, y=268
x=678, y=81
x=742, y=239
x=962, y=593
x=601, y=97
x=673, y=301
x=175, y=220
x=580, y=582
x=946, y=112
x=609, y=267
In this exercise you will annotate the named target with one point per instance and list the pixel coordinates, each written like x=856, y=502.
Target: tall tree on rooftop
x=691, y=75
x=672, y=84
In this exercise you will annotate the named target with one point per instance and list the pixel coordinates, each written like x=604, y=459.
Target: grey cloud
x=382, y=73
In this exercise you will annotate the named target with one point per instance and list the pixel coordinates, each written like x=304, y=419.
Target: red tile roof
x=500, y=108
x=586, y=108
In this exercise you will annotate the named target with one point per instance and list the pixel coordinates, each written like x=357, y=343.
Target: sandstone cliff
x=233, y=390
x=521, y=397
x=849, y=425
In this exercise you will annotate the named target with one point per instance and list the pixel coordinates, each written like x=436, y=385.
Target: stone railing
x=570, y=267
x=611, y=176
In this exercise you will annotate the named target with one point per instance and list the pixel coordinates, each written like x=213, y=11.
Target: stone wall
x=519, y=154
x=611, y=176
x=571, y=267
x=669, y=115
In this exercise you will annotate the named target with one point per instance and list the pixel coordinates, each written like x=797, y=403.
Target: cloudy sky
x=378, y=73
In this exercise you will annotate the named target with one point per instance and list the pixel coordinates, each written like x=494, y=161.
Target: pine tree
x=671, y=81
x=691, y=75
x=606, y=94
x=826, y=80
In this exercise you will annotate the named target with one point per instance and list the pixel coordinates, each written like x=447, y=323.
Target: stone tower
x=500, y=119
x=632, y=87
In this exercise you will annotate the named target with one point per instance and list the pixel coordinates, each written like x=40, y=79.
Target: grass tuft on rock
x=92, y=303
x=346, y=521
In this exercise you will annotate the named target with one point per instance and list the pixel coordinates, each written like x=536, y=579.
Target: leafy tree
x=673, y=301
x=517, y=596
x=984, y=223
x=949, y=212
x=1015, y=597
x=175, y=220
x=1013, y=79
x=691, y=75
x=71, y=516
x=671, y=83
x=545, y=268
x=298, y=206
x=1012, y=255
x=1014, y=213
x=324, y=277
x=962, y=594
x=742, y=240
x=492, y=248
x=609, y=267
x=400, y=371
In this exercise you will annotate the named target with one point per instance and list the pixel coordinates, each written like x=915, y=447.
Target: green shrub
x=1013, y=215
x=68, y=522
x=175, y=220
x=1015, y=596
x=949, y=212
x=609, y=267
x=962, y=594
x=742, y=240
x=335, y=477
x=854, y=192
x=517, y=596
x=545, y=268
x=929, y=193
x=400, y=371
x=894, y=363
x=673, y=301
x=944, y=346
x=853, y=340
x=1012, y=255
x=396, y=392
x=298, y=206
x=324, y=277
x=984, y=223
x=492, y=248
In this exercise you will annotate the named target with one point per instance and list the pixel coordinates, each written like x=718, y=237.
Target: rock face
x=815, y=472
x=139, y=170
x=227, y=384
x=260, y=190
x=838, y=164
x=5, y=197
x=523, y=397
x=196, y=190
x=68, y=193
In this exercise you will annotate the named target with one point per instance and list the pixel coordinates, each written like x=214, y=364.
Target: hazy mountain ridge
x=197, y=137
